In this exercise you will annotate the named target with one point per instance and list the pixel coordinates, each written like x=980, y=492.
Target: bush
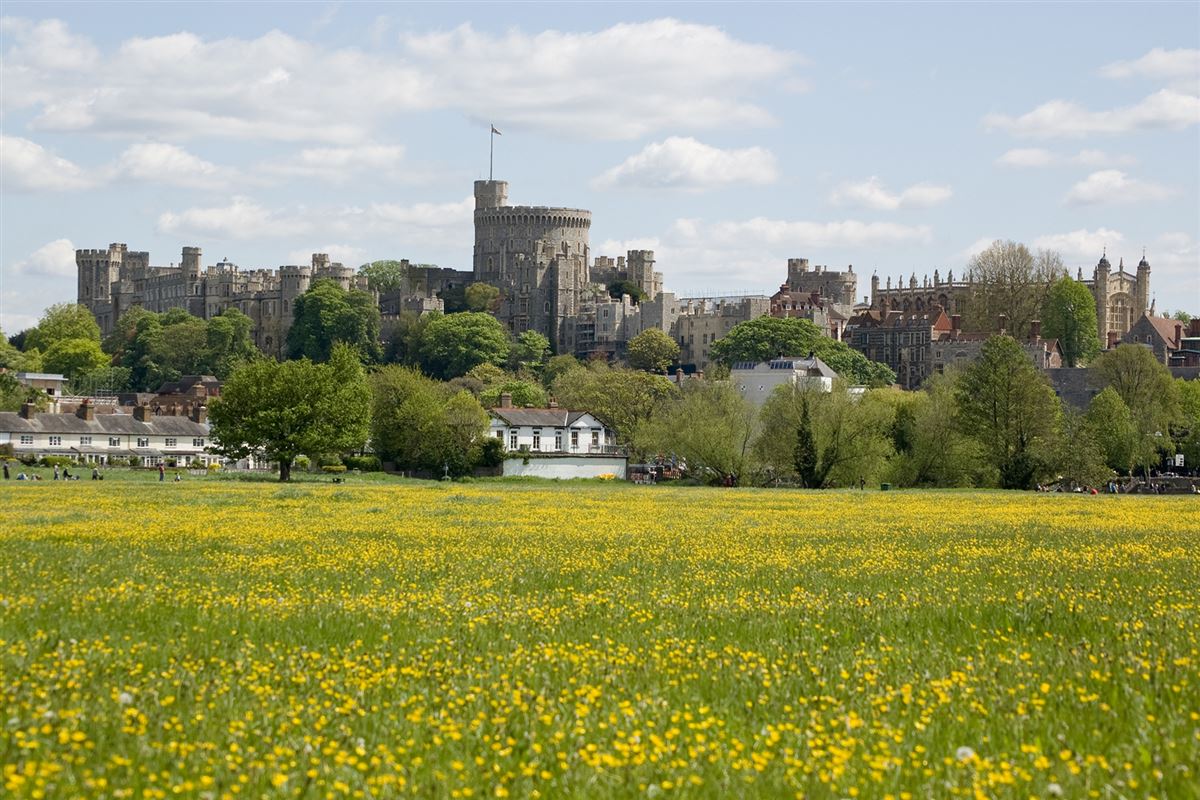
x=363, y=463
x=491, y=452
x=301, y=463
x=328, y=460
x=334, y=468
x=213, y=467
x=58, y=461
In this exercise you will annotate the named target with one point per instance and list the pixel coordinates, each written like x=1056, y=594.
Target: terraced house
x=102, y=438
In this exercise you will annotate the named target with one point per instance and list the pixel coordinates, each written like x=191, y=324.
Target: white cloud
x=341, y=163
x=159, y=162
x=622, y=82
x=1080, y=245
x=46, y=45
x=704, y=257
x=871, y=193
x=1166, y=108
x=1111, y=187
x=1039, y=157
x=1182, y=65
x=54, y=259
x=425, y=224
x=27, y=166
x=347, y=254
x=975, y=248
x=684, y=163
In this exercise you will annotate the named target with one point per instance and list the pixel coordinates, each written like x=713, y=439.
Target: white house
x=756, y=381
x=555, y=443
x=99, y=438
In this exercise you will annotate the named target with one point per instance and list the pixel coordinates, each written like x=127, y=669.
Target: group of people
x=64, y=474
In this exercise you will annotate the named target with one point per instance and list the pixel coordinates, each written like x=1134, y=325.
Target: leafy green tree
x=530, y=352
x=523, y=394
x=1182, y=316
x=626, y=287
x=623, y=398
x=280, y=411
x=14, y=394
x=228, y=343
x=481, y=297
x=385, y=276
x=72, y=357
x=327, y=314
x=931, y=447
x=1069, y=315
x=1112, y=426
x=453, y=344
x=767, y=337
x=709, y=425
x=125, y=331
x=59, y=322
x=1187, y=428
x=805, y=454
x=1010, y=408
x=851, y=437
x=652, y=350
x=559, y=365
x=14, y=360
x=1079, y=457
x=404, y=337
x=1143, y=382
x=421, y=424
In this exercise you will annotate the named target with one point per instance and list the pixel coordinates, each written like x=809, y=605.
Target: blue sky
x=897, y=138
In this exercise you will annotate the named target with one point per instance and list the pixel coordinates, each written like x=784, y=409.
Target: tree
x=530, y=352
x=1187, y=428
x=454, y=343
x=1069, y=315
x=1009, y=407
x=385, y=276
x=1010, y=280
x=1182, y=316
x=481, y=297
x=327, y=314
x=228, y=342
x=280, y=411
x=16, y=361
x=559, y=365
x=931, y=447
x=767, y=337
x=1111, y=425
x=61, y=321
x=652, y=350
x=626, y=287
x=1142, y=382
x=709, y=425
x=623, y=398
x=404, y=337
x=1079, y=455
x=851, y=436
x=125, y=331
x=420, y=424
x=805, y=454
x=523, y=394
x=74, y=357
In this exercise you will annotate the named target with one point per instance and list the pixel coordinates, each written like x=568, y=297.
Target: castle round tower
x=536, y=255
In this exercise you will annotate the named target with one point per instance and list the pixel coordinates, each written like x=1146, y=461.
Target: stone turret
x=1100, y=282
x=190, y=263
x=1143, y=284
x=491, y=194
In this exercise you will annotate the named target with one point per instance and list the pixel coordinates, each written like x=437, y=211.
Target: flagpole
x=491, y=150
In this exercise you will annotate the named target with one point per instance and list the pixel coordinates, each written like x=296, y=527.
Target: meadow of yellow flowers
x=224, y=640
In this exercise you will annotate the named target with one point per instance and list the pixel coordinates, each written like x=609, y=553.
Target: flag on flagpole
x=498, y=133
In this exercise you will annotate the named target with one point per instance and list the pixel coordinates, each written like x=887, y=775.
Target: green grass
x=385, y=637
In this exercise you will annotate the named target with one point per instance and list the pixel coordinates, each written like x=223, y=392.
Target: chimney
x=506, y=400
x=28, y=411
x=955, y=322
x=1035, y=329
x=1178, y=333
x=86, y=411
x=1194, y=327
x=141, y=413
x=200, y=414
x=553, y=403
x=1003, y=322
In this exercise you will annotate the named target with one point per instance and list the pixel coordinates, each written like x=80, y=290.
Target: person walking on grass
x=162, y=473
x=6, y=476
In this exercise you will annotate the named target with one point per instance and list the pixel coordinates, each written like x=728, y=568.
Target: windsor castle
x=539, y=257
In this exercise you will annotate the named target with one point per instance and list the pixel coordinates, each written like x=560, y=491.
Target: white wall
x=567, y=466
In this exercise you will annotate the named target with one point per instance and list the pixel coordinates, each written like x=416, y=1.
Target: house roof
x=803, y=363
x=538, y=417
x=41, y=376
x=1164, y=327
x=102, y=425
